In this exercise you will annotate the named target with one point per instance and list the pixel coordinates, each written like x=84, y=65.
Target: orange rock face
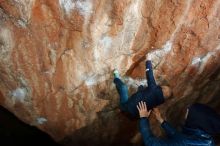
x=57, y=58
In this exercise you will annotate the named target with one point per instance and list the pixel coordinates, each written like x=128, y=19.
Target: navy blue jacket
x=152, y=94
x=189, y=137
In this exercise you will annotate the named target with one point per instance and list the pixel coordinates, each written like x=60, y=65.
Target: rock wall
x=57, y=58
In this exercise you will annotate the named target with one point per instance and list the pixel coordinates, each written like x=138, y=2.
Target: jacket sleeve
x=148, y=138
x=149, y=74
x=169, y=130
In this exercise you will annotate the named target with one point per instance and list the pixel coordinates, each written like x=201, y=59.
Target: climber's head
x=167, y=92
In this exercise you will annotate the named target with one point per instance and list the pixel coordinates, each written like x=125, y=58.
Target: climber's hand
x=142, y=108
x=157, y=113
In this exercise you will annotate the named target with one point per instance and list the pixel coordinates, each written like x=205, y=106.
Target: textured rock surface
x=57, y=57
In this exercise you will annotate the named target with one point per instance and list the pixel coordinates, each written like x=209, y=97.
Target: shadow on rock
x=110, y=128
x=14, y=132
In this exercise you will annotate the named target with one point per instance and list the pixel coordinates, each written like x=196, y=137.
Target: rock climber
x=153, y=94
x=200, y=123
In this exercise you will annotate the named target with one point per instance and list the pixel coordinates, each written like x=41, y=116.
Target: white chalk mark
x=204, y=61
x=157, y=55
x=95, y=79
x=67, y=5
x=19, y=94
x=201, y=62
x=135, y=83
x=7, y=43
x=106, y=42
x=84, y=7
x=196, y=60
x=41, y=120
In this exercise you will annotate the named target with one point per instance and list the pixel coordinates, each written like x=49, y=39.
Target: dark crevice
x=14, y=132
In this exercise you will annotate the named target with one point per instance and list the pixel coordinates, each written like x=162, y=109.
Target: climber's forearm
x=149, y=74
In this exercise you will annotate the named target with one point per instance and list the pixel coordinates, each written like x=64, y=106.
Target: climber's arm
x=148, y=137
x=149, y=73
x=169, y=130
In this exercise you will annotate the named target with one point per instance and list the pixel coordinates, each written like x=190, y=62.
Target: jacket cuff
x=144, y=122
x=169, y=130
x=148, y=64
x=163, y=124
